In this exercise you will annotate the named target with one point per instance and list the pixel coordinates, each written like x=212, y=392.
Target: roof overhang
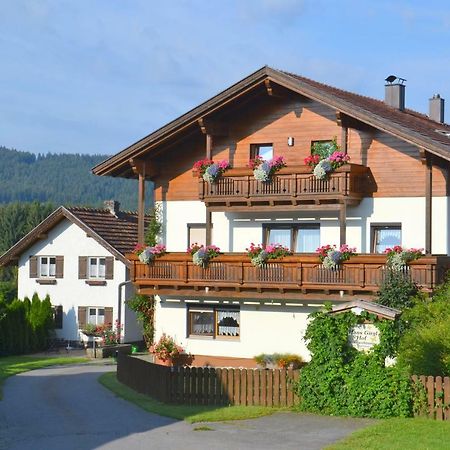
x=120, y=164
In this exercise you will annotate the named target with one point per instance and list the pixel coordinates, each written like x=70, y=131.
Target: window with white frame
x=299, y=238
x=385, y=236
x=97, y=267
x=214, y=322
x=95, y=316
x=47, y=266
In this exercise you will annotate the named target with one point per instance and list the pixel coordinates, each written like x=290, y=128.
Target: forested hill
x=62, y=179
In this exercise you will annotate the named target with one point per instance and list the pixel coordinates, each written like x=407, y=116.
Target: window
x=299, y=238
x=215, y=322
x=97, y=268
x=196, y=233
x=96, y=316
x=385, y=236
x=263, y=150
x=47, y=266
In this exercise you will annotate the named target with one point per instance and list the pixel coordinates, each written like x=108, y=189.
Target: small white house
x=76, y=256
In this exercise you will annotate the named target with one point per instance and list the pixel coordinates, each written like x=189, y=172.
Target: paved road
x=65, y=408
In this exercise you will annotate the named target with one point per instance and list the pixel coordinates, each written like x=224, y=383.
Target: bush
x=397, y=290
x=339, y=380
x=425, y=346
x=144, y=307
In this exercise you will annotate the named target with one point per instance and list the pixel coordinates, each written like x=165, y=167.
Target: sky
x=95, y=76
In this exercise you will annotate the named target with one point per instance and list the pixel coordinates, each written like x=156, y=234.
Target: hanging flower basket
x=209, y=170
x=201, y=255
x=325, y=158
x=260, y=254
x=265, y=170
x=332, y=257
x=398, y=257
x=147, y=254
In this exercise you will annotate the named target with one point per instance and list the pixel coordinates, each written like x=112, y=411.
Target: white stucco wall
x=71, y=241
x=234, y=231
x=264, y=329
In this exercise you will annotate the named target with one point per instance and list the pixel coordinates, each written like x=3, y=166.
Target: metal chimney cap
x=391, y=78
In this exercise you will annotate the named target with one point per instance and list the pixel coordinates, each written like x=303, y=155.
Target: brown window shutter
x=59, y=273
x=33, y=267
x=108, y=315
x=82, y=267
x=109, y=267
x=82, y=317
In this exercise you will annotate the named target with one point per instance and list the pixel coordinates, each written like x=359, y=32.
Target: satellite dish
x=391, y=78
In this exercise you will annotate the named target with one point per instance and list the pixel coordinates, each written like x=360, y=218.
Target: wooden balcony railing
x=300, y=276
x=237, y=189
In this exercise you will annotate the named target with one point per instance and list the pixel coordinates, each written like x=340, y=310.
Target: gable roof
x=371, y=307
x=117, y=234
x=407, y=125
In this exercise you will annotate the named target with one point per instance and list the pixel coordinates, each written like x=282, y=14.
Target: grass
x=399, y=434
x=197, y=413
x=12, y=365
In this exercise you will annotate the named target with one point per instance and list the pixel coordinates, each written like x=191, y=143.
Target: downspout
x=119, y=302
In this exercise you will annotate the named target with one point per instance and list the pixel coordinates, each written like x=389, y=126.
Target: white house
x=76, y=256
x=394, y=191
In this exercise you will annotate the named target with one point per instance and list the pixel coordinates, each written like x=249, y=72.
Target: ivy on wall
x=145, y=309
x=340, y=380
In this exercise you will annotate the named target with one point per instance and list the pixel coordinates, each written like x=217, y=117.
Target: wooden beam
x=139, y=167
x=209, y=126
x=208, y=226
x=209, y=145
x=343, y=224
x=268, y=86
x=428, y=203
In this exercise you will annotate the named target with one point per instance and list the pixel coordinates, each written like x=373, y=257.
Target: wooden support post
x=208, y=146
x=428, y=203
x=344, y=139
x=141, y=208
x=343, y=224
x=208, y=226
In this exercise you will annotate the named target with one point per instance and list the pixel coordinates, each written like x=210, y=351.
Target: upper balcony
x=238, y=190
x=297, y=277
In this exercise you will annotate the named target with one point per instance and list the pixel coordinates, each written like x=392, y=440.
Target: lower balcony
x=297, y=277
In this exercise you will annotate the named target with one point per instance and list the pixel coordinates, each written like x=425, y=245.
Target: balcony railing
x=294, y=277
x=237, y=189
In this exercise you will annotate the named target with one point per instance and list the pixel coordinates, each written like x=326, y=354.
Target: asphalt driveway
x=65, y=408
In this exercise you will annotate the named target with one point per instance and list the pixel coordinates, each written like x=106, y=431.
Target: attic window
x=444, y=132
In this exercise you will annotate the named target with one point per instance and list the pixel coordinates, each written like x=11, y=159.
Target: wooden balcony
x=297, y=277
x=237, y=189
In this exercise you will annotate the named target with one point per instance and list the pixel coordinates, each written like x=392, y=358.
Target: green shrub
x=339, y=380
x=425, y=346
x=144, y=307
x=397, y=290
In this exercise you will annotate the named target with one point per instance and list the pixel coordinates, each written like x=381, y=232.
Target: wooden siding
x=267, y=120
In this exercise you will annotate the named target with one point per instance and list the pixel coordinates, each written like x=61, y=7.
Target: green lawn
x=12, y=365
x=184, y=412
x=399, y=434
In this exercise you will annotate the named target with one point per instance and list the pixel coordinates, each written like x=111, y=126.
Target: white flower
x=147, y=255
x=322, y=169
x=260, y=174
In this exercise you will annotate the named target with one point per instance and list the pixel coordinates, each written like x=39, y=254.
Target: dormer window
x=265, y=151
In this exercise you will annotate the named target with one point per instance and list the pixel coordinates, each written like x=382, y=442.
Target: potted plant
x=264, y=170
x=201, y=255
x=332, y=257
x=260, y=254
x=325, y=158
x=266, y=361
x=209, y=170
x=399, y=257
x=166, y=350
x=147, y=254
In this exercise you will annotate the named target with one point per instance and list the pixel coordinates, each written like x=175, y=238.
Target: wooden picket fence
x=437, y=392
x=208, y=386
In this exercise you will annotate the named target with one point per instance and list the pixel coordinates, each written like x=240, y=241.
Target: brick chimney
x=113, y=206
x=394, y=92
x=436, y=108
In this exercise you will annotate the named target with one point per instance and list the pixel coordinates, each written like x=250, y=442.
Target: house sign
x=364, y=336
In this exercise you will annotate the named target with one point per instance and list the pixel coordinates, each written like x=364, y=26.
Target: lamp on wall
x=290, y=141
